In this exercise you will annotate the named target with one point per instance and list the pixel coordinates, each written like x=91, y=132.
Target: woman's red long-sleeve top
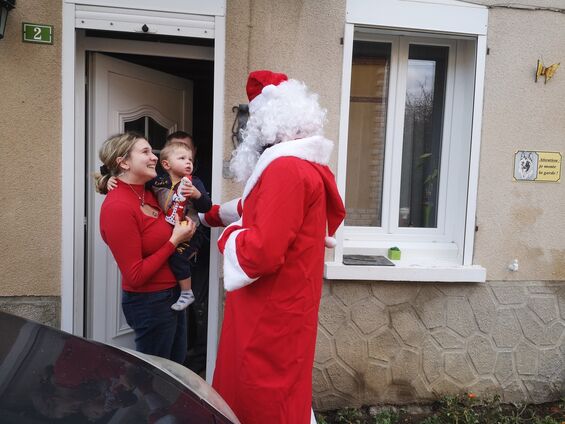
x=140, y=243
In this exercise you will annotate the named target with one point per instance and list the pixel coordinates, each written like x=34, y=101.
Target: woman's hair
x=117, y=146
x=169, y=148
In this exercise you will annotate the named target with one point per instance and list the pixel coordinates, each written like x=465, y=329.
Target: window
x=411, y=102
x=150, y=128
x=399, y=122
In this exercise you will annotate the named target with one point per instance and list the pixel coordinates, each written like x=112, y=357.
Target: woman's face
x=141, y=162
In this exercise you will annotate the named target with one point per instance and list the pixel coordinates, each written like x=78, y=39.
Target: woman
x=135, y=230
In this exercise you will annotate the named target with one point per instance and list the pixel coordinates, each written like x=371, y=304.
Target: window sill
x=406, y=272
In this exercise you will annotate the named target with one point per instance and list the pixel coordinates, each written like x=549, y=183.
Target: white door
x=123, y=96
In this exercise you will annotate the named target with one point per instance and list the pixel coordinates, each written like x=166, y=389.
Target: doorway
x=132, y=88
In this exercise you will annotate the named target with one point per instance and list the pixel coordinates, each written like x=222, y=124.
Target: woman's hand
x=183, y=231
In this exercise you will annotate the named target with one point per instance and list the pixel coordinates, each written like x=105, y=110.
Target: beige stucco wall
x=299, y=38
x=30, y=148
x=519, y=220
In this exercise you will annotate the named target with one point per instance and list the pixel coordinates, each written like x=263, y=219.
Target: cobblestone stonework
x=412, y=342
x=43, y=309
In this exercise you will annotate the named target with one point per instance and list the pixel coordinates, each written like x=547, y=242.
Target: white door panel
x=122, y=93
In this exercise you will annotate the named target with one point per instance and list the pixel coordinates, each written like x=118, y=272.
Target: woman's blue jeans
x=158, y=329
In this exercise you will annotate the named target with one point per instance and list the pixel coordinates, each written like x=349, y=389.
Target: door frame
x=73, y=241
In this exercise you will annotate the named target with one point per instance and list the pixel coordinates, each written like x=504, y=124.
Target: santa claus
x=273, y=248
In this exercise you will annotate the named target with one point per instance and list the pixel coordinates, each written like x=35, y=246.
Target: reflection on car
x=49, y=376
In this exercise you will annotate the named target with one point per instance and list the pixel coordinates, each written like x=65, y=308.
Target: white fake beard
x=281, y=113
x=244, y=159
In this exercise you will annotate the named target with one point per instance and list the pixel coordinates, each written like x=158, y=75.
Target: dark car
x=49, y=376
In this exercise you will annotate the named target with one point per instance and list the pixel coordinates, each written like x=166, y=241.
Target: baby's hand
x=194, y=193
x=188, y=190
x=112, y=183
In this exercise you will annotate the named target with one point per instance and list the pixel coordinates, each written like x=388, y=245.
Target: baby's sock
x=186, y=298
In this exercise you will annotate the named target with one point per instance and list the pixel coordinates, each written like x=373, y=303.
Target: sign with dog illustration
x=537, y=166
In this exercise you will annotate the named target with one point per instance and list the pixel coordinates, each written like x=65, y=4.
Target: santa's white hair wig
x=281, y=113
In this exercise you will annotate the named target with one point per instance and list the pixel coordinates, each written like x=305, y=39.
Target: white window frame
x=443, y=253
x=390, y=231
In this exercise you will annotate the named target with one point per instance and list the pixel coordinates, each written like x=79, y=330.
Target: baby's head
x=177, y=160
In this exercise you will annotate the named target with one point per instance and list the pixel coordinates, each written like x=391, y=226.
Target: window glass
x=367, y=133
x=157, y=134
x=422, y=140
x=137, y=126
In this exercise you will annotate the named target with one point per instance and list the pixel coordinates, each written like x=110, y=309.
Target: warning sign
x=537, y=166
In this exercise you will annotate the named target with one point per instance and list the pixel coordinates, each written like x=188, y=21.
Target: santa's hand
x=222, y=215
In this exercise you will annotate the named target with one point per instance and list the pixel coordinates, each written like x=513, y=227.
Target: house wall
x=407, y=342
x=521, y=220
x=294, y=37
x=30, y=148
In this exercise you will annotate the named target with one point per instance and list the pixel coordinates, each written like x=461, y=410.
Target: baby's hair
x=168, y=150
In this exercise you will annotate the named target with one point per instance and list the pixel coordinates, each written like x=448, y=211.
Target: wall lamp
x=241, y=116
x=5, y=7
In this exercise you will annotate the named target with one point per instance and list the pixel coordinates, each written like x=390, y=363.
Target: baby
x=181, y=195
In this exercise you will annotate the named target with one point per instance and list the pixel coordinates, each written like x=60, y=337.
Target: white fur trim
x=312, y=417
x=234, y=276
x=228, y=212
x=313, y=149
x=259, y=100
x=331, y=242
x=202, y=218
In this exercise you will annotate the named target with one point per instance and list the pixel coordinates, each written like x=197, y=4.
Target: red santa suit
x=273, y=270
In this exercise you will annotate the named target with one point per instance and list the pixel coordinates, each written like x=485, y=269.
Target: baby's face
x=180, y=163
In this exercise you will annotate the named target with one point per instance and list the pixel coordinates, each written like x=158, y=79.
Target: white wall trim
x=475, y=150
x=67, y=169
x=157, y=49
x=144, y=21
x=468, y=274
x=215, y=290
x=343, y=129
x=450, y=16
x=209, y=7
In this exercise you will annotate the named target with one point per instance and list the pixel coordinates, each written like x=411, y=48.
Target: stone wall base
x=405, y=343
x=43, y=309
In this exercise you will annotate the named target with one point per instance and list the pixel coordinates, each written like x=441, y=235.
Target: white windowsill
x=400, y=272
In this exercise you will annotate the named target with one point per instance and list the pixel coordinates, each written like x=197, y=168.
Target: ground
x=462, y=409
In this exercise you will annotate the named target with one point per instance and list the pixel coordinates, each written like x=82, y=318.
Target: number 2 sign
x=37, y=33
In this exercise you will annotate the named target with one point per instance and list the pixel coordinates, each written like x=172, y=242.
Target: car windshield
x=49, y=376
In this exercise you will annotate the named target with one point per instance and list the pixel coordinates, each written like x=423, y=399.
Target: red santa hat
x=258, y=80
